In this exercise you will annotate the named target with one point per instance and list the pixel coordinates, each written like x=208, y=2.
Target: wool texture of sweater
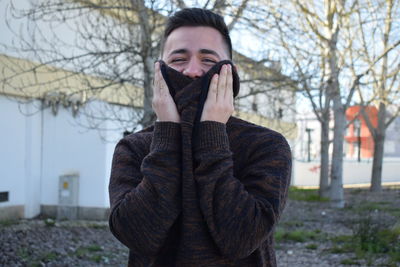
x=199, y=193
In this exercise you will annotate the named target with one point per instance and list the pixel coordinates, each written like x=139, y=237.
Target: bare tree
x=316, y=50
x=115, y=41
x=309, y=35
x=378, y=41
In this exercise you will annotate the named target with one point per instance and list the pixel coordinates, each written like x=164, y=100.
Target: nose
x=193, y=69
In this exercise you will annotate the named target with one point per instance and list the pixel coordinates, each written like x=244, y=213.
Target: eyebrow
x=202, y=51
x=208, y=51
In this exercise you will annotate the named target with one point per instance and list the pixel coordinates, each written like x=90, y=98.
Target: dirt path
x=310, y=234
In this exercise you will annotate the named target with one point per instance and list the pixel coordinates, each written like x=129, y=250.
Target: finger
x=160, y=84
x=222, y=83
x=212, y=91
x=163, y=85
x=156, y=87
x=229, y=84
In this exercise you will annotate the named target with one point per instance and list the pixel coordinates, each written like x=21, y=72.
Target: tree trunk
x=379, y=142
x=324, y=171
x=336, y=188
x=380, y=132
x=148, y=113
x=376, y=177
x=148, y=59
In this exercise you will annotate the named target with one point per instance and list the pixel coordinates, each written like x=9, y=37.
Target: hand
x=219, y=104
x=163, y=104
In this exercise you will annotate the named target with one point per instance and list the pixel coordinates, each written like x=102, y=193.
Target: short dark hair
x=197, y=17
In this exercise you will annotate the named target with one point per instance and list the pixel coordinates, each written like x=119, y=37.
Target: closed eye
x=177, y=60
x=209, y=60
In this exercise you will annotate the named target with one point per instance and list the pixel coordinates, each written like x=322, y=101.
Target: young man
x=200, y=187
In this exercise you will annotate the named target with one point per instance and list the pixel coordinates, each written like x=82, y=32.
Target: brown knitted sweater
x=199, y=194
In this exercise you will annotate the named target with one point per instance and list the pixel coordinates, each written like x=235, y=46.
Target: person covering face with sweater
x=199, y=187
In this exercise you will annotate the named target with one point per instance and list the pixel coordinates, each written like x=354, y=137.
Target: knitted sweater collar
x=190, y=94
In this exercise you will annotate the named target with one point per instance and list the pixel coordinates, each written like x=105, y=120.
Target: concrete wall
x=20, y=156
x=70, y=149
x=307, y=173
x=39, y=148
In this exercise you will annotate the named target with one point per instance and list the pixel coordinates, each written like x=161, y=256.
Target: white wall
x=12, y=153
x=38, y=149
x=20, y=155
x=33, y=158
x=307, y=173
x=70, y=148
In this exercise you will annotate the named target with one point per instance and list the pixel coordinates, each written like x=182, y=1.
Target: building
x=46, y=138
x=359, y=141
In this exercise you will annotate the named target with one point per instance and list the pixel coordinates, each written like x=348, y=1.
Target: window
x=3, y=196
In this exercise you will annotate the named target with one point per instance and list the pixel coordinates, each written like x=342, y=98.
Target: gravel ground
x=41, y=242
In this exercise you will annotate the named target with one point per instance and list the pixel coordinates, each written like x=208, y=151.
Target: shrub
x=370, y=237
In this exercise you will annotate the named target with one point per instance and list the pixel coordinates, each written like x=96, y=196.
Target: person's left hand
x=219, y=104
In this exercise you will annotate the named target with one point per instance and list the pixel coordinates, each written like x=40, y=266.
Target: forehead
x=195, y=38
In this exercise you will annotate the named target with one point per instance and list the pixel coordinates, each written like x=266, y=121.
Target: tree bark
x=324, y=171
x=379, y=137
x=148, y=59
x=379, y=144
x=336, y=188
x=148, y=114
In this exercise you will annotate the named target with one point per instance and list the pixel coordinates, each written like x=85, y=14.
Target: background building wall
x=70, y=149
x=20, y=157
x=39, y=148
x=307, y=173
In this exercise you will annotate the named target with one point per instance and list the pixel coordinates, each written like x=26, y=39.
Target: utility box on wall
x=68, y=192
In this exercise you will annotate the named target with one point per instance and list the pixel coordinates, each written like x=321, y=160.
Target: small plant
x=8, y=222
x=311, y=195
x=49, y=222
x=340, y=249
x=342, y=238
x=35, y=264
x=349, y=262
x=51, y=256
x=312, y=246
x=97, y=226
x=293, y=224
x=23, y=253
x=279, y=234
x=83, y=252
x=94, y=248
x=96, y=258
x=370, y=238
x=368, y=207
x=296, y=235
x=356, y=191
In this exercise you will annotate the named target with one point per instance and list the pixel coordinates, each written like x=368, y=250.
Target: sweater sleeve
x=241, y=212
x=144, y=193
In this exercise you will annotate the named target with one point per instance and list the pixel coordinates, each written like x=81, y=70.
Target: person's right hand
x=163, y=104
